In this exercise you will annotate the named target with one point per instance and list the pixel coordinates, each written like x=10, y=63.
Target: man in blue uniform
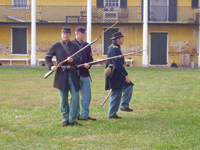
x=86, y=56
x=66, y=77
x=119, y=80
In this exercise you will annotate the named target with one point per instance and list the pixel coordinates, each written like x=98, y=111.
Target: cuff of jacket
x=124, y=73
x=49, y=61
x=50, y=65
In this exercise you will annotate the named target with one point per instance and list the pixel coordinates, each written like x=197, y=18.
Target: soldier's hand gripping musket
x=60, y=64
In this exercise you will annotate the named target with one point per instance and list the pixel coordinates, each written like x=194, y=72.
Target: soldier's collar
x=116, y=44
x=67, y=43
x=78, y=41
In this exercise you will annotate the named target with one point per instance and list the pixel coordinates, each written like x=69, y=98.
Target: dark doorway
x=158, y=49
x=107, y=40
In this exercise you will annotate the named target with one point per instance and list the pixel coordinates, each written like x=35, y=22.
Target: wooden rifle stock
x=60, y=64
x=110, y=58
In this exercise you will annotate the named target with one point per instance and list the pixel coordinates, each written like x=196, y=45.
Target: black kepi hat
x=80, y=29
x=66, y=30
x=117, y=35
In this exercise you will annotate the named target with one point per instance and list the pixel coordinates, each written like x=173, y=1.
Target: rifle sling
x=66, y=49
x=81, y=46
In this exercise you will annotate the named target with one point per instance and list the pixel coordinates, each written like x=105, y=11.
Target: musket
x=110, y=58
x=72, y=56
x=106, y=98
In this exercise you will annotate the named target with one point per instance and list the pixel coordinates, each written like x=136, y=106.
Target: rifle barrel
x=110, y=58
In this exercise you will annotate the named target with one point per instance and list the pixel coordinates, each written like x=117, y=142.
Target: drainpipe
x=145, y=34
x=199, y=45
x=89, y=21
x=33, y=33
x=199, y=38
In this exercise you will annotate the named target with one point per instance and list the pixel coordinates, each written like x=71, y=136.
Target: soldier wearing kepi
x=119, y=80
x=66, y=77
x=84, y=74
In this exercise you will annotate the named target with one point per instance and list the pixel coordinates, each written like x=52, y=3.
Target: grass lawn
x=166, y=115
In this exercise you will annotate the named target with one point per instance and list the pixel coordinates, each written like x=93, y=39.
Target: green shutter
x=195, y=4
x=163, y=49
x=100, y=4
x=172, y=10
x=15, y=37
x=123, y=3
x=23, y=42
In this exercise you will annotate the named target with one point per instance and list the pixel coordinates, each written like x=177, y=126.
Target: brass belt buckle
x=68, y=66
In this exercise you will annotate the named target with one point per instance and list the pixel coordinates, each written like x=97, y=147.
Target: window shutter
x=23, y=37
x=123, y=3
x=172, y=10
x=195, y=4
x=16, y=41
x=100, y=4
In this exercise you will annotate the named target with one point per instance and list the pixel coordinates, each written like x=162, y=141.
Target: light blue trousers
x=69, y=113
x=85, y=98
x=115, y=99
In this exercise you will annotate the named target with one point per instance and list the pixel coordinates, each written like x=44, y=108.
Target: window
x=19, y=40
x=111, y=3
x=195, y=3
x=20, y=3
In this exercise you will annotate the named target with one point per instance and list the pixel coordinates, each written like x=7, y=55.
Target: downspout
x=145, y=34
x=89, y=22
x=199, y=37
x=33, y=33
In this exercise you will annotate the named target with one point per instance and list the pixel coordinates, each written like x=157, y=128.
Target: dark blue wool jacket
x=61, y=77
x=118, y=78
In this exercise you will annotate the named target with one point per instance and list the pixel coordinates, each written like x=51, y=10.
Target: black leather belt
x=64, y=67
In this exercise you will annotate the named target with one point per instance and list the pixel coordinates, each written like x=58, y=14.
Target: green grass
x=166, y=115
